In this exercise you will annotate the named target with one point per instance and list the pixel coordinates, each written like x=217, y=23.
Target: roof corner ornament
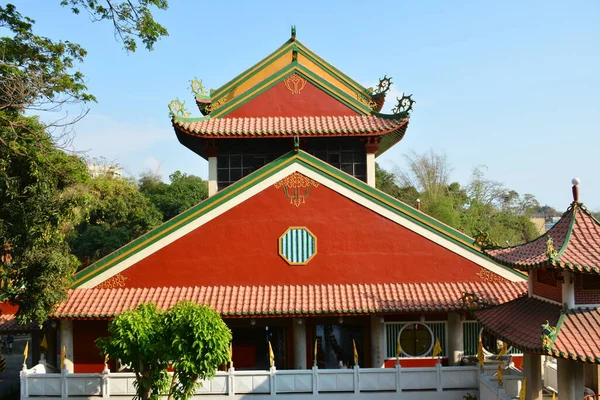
x=551, y=253
x=471, y=301
x=404, y=106
x=177, y=109
x=383, y=86
x=197, y=87
x=296, y=144
x=548, y=335
x=482, y=239
x=575, y=182
x=293, y=32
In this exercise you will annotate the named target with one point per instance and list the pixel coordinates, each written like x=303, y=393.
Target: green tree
x=172, y=199
x=386, y=182
x=132, y=20
x=118, y=214
x=38, y=208
x=192, y=338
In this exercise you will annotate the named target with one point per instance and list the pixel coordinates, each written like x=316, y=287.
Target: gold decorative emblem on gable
x=296, y=187
x=295, y=83
x=114, y=282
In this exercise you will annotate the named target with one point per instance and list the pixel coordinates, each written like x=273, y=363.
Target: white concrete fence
x=410, y=383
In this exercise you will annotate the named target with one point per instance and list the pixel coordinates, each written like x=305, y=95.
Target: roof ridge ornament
x=483, y=240
x=197, y=87
x=551, y=253
x=294, y=32
x=177, y=109
x=575, y=182
x=404, y=106
x=383, y=86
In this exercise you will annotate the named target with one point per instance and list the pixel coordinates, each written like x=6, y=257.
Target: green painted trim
x=559, y=325
x=224, y=89
x=191, y=119
x=294, y=67
x=568, y=235
x=331, y=68
x=255, y=178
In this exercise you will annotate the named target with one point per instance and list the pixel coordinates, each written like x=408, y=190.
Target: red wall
x=87, y=357
x=279, y=101
x=354, y=245
x=547, y=291
x=415, y=362
x=585, y=296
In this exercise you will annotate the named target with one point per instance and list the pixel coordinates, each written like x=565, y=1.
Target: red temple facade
x=295, y=245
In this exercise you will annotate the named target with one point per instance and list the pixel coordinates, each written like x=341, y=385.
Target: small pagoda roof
x=572, y=244
x=390, y=128
x=291, y=300
x=538, y=326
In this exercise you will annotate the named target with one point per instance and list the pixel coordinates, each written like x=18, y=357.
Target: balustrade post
x=106, y=381
x=24, y=382
x=398, y=377
x=230, y=381
x=272, y=380
x=315, y=371
x=356, y=379
x=438, y=368
x=64, y=390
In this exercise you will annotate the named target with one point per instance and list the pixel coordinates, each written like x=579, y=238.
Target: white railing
x=491, y=389
x=271, y=382
x=550, y=375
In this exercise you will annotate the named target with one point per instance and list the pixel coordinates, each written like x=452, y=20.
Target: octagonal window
x=297, y=246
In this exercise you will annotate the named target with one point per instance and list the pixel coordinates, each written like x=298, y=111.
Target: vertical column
x=66, y=340
x=532, y=369
x=299, y=337
x=455, y=338
x=212, y=175
x=530, y=278
x=371, y=147
x=568, y=290
x=570, y=379
x=377, y=341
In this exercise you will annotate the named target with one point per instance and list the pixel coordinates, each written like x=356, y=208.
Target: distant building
x=113, y=171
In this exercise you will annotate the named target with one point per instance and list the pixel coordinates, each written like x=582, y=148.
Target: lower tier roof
x=537, y=326
x=288, y=300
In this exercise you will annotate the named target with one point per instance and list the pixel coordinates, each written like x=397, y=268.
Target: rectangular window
x=590, y=282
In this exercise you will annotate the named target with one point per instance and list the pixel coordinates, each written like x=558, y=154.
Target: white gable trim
x=323, y=180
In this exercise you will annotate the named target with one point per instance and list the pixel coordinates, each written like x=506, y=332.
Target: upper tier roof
x=391, y=130
x=573, y=243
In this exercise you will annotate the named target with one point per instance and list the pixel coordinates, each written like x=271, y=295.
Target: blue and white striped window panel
x=297, y=246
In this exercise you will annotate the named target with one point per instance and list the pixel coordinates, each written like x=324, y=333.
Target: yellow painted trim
x=252, y=69
x=271, y=69
x=285, y=233
x=321, y=60
x=172, y=227
x=325, y=75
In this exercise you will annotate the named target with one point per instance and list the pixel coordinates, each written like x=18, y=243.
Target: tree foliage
x=172, y=199
x=191, y=338
x=38, y=208
x=132, y=20
x=481, y=205
x=117, y=214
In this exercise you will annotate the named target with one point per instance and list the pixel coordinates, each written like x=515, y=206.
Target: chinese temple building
x=295, y=245
x=559, y=317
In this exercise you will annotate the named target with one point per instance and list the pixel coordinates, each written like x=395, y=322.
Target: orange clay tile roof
x=519, y=323
x=579, y=336
x=575, y=245
x=8, y=324
x=357, y=125
x=290, y=300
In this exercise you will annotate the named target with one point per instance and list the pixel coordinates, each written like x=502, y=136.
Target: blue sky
x=512, y=85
